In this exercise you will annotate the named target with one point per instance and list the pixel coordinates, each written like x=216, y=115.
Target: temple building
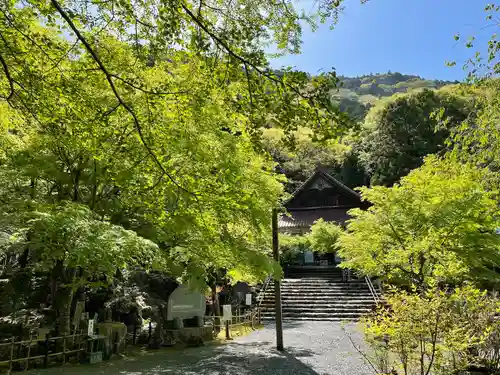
x=320, y=197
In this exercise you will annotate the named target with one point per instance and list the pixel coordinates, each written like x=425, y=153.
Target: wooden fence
x=250, y=318
x=35, y=351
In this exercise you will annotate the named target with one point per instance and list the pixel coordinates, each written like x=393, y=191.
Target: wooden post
x=135, y=334
x=29, y=352
x=64, y=349
x=78, y=353
x=116, y=343
x=228, y=336
x=46, y=358
x=18, y=355
x=11, y=354
x=277, y=286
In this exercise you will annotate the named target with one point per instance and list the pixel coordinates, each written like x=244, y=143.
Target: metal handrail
x=262, y=292
x=373, y=291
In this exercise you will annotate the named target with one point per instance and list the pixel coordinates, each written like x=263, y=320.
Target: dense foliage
x=393, y=138
x=130, y=135
x=323, y=239
x=439, y=224
x=400, y=131
x=436, y=332
x=300, y=160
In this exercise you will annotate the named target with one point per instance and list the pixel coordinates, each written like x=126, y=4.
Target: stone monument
x=185, y=303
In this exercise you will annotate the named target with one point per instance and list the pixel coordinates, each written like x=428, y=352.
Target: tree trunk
x=216, y=307
x=65, y=298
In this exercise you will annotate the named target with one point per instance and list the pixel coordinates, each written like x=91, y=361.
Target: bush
x=436, y=332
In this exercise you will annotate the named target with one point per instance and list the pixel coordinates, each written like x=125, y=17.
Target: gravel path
x=311, y=348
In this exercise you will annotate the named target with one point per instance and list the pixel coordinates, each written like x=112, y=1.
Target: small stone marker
x=227, y=314
x=248, y=300
x=185, y=304
x=80, y=306
x=90, y=330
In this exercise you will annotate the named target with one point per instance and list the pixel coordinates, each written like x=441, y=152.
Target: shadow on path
x=229, y=359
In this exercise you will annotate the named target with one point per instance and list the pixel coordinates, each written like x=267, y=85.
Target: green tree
x=435, y=332
x=188, y=178
x=324, y=236
x=298, y=156
x=74, y=245
x=439, y=224
x=477, y=138
x=401, y=130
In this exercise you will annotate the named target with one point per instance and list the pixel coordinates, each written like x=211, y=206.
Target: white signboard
x=248, y=300
x=91, y=328
x=226, y=312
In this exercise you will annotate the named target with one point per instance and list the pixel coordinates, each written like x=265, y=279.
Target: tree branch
x=9, y=77
x=123, y=103
x=246, y=62
x=159, y=93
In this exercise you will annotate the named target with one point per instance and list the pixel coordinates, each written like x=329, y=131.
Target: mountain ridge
x=356, y=95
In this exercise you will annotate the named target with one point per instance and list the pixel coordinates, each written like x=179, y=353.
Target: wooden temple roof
x=321, y=196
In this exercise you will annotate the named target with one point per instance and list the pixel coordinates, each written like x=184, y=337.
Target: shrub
x=435, y=332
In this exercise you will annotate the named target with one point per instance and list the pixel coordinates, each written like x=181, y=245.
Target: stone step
x=318, y=314
x=332, y=288
x=313, y=272
x=321, y=304
x=310, y=319
x=318, y=282
x=320, y=296
x=322, y=276
x=320, y=285
x=321, y=308
x=324, y=294
x=325, y=305
x=319, y=290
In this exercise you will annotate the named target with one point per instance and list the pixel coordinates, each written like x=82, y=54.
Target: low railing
x=249, y=319
x=26, y=352
x=261, y=296
x=262, y=292
x=373, y=291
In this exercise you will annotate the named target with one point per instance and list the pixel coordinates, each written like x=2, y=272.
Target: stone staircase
x=318, y=293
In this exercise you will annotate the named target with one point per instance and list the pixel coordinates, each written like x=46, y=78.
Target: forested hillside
x=356, y=95
x=395, y=123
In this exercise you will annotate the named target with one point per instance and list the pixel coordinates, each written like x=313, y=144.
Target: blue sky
x=407, y=36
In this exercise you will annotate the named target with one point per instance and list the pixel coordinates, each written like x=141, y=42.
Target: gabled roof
x=303, y=219
x=318, y=176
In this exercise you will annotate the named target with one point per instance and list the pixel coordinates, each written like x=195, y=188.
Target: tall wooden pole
x=277, y=286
